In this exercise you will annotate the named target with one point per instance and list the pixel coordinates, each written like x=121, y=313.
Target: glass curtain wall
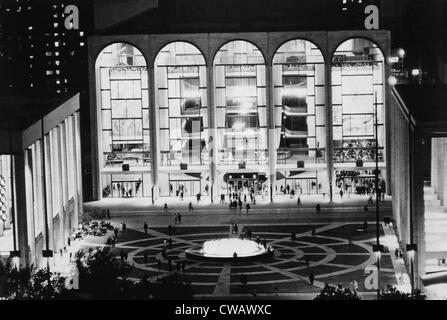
x=240, y=96
x=124, y=104
x=300, y=112
x=357, y=88
x=181, y=97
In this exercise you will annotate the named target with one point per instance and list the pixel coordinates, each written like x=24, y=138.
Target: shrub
x=392, y=293
x=330, y=292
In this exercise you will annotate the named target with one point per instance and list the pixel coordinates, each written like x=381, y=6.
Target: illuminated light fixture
x=299, y=92
x=254, y=176
x=238, y=126
x=392, y=81
x=242, y=176
x=392, y=59
x=401, y=53
x=415, y=72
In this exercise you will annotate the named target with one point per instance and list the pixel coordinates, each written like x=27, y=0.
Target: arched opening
x=181, y=99
x=358, y=110
x=123, y=107
x=300, y=117
x=241, y=112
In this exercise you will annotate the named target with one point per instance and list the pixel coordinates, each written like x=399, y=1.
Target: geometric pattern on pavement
x=338, y=252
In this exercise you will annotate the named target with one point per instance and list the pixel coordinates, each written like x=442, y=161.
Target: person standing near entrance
x=311, y=278
x=341, y=194
x=145, y=227
x=247, y=207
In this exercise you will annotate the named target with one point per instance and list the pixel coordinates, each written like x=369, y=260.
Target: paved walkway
x=137, y=205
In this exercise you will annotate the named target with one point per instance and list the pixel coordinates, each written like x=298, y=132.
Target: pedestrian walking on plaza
x=115, y=231
x=298, y=201
x=341, y=194
x=190, y=208
x=311, y=278
x=169, y=230
x=244, y=279
x=293, y=236
x=113, y=242
x=179, y=218
x=181, y=195
x=173, y=229
x=249, y=233
x=145, y=227
x=166, y=207
x=71, y=255
x=236, y=228
x=124, y=226
x=396, y=253
x=222, y=198
x=240, y=205
x=247, y=206
x=318, y=208
x=170, y=243
x=175, y=218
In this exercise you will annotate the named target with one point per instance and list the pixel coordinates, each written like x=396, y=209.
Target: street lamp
x=401, y=53
x=411, y=250
x=378, y=249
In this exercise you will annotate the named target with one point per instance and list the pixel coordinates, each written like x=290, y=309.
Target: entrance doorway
x=189, y=188
x=244, y=182
x=127, y=189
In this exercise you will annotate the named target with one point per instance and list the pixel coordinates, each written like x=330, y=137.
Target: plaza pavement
x=338, y=252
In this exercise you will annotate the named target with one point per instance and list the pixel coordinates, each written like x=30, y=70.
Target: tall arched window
x=300, y=114
x=122, y=96
x=240, y=97
x=357, y=92
x=181, y=97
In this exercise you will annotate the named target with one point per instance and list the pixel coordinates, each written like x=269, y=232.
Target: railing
x=250, y=157
x=169, y=158
x=292, y=156
x=113, y=160
x=342, y=155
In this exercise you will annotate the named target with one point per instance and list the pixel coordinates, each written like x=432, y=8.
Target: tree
x=330, y=292
x=31, y=283
x=99, y=272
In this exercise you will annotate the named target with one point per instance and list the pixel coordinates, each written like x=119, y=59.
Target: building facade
x=41, y=166
x=261, y=112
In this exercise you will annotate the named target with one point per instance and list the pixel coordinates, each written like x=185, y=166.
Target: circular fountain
x=229, y=249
